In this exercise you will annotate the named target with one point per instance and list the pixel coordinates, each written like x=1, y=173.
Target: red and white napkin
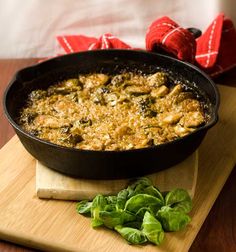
x=214, y=51
x=77, y=43
x=216, y=48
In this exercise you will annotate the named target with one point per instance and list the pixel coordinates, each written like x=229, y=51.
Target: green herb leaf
x=171, y=219
x=152, y=228
x=138, y=186
x=152, y=190
x=111, y=199
x=84, y=207
x=96, y=223
x=135, y=203
x=132, y=235
x=140, y=212
x=114, y=218
x=98, y=204
x=179, y=200
x=122, y=198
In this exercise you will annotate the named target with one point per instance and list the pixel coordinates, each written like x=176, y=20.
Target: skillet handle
x=196, y=32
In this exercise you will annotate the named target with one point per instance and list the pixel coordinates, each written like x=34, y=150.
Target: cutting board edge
x=195, y=176
x=60, y=194
x=30, y=241
x=217, y=189
x=63, y=187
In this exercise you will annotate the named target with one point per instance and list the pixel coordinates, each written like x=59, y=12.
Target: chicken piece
x=137, y=90
x=137, y=80
x=160, y=92
x=47, y=121
x=156, y=80
x=72, y=83
x=189, y=105
x=65, y=87
x=176, y=90
x=122, y=130
x=64, y=107
x=192, y=119
x=182, y=131
x=172, y=118
x=93, y=80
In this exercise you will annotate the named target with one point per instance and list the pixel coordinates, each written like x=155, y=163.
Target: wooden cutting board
x=53, y=185
x=54, y=224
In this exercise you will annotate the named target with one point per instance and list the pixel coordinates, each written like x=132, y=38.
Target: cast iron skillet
x=108, y=164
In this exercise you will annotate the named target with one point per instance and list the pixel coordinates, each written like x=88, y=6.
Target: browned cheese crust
x=112, y=112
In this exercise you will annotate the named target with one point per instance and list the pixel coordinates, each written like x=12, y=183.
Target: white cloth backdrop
x=28, y=28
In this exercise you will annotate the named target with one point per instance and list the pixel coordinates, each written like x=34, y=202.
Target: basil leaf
x=140, y=183
x=152, y=228
x=111, y=199
x=152, y=190
x=141, y=200
x=84, y=207
x=112, y=219
x=138, y=186
x=132, y=235
x=179, y=200
x=135, y=188
x=110, y=208
x=96, y=223
x=98, y=204
x=122, y=198
x=171, y=219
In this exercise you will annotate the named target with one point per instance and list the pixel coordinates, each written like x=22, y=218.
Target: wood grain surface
x=218, y=231
x=55, y=225
x=54, y=185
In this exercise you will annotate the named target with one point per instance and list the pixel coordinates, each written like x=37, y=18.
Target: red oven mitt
x=215, y=49
x=165, y=34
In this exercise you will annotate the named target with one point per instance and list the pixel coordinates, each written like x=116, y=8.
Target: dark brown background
x=218, y=233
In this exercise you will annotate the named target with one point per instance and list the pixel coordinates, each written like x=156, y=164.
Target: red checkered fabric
x=216, y=48
x=209, y=43
x=214, y=51
x=79, y=43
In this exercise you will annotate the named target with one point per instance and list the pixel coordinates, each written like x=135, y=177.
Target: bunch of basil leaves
x=140, y=213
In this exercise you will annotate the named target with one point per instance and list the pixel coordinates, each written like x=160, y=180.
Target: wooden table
x=218, y=232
